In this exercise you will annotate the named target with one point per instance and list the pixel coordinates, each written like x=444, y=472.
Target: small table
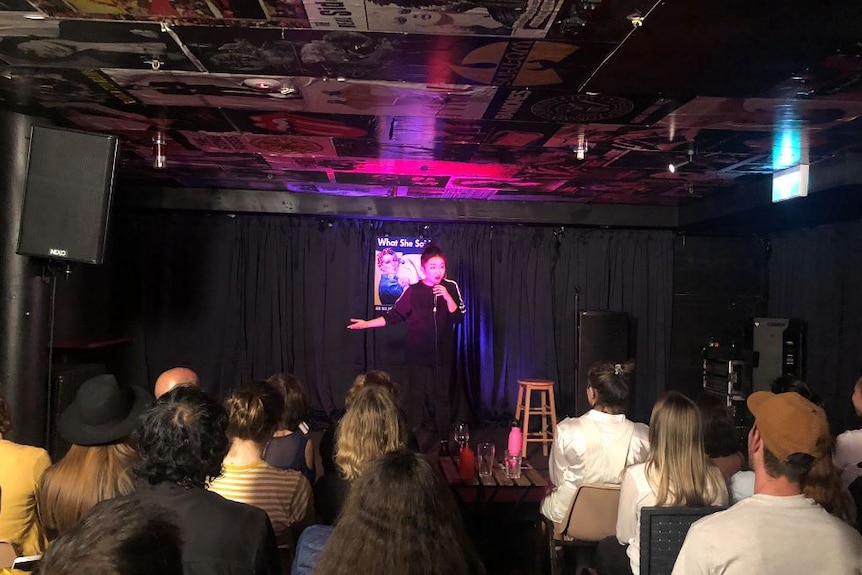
x=496, y=488
x=491, y=505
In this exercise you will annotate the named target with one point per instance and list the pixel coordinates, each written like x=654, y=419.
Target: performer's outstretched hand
x=356, y=323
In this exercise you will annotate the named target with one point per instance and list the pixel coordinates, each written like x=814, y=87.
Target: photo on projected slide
x=396, y=267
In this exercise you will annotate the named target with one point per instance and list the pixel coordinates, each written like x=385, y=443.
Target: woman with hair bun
x=254, y=410
x=599, y=445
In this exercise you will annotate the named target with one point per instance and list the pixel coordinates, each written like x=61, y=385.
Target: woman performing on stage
x=431, y=308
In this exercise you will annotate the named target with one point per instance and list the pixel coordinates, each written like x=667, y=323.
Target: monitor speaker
x=67, y=199
x=602, y=336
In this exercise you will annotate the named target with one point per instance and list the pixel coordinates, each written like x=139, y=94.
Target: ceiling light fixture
x=672, y=168
x=160, y=141
x=581, y=149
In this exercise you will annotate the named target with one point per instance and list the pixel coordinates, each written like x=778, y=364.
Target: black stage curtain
x=241, y=297
x=814, y=275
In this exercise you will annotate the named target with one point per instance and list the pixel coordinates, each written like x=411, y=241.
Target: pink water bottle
x=515, y=439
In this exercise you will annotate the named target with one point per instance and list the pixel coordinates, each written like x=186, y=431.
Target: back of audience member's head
x=677, y=468
x=794, y=432
x=371, y=427
x=785, y=383
x=254, y=410
x=719, y=431
x=823, y=484
x=5, y=417
x=175, y=377
x=84, y=476
x=610, y=382
x=374, y=377
x=99, y=424
x=295, y=409
x=118, y=537
x=856, y=399
x=399, y=518
x=183, y=439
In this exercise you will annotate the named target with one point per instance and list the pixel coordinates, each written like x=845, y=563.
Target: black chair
x=663, y=529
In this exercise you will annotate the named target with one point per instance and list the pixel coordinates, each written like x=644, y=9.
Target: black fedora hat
x=103, y=411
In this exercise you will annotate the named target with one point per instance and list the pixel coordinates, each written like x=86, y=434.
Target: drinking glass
x=461, y=434
x=485, y=459
x=513, y=465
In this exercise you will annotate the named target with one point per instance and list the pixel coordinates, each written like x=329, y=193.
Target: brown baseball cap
x=788, y=423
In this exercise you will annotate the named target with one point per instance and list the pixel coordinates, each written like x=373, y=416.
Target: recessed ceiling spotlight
x=264, y=85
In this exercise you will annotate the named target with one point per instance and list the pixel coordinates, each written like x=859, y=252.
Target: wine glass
x=461, y=434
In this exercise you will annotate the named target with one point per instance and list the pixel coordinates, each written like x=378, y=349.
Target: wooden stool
x=547, y=410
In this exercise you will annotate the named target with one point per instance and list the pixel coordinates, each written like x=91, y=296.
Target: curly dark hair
x=183, y=439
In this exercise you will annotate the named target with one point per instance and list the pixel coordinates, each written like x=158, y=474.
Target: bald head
x=175, y=377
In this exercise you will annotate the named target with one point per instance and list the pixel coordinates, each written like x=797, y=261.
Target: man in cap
x=778, y=529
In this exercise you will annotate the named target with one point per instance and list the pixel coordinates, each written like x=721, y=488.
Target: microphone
x=435, y=302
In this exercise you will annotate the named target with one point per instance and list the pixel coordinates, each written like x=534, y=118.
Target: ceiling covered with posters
x=543, y=100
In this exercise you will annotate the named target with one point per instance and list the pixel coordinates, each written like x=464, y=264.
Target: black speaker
x=70, y=182
x=778, y=346
x=602, y=336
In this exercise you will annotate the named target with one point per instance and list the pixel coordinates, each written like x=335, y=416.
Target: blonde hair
x=371, y=427
x=82, y=478
x=676, y=467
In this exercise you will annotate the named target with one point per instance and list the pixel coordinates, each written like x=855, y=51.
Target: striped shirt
x=285, y=495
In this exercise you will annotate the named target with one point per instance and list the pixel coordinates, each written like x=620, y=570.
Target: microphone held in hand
x=435, y=302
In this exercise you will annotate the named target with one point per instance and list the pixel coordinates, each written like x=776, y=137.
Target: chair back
x=663, y=529
x=592, y=515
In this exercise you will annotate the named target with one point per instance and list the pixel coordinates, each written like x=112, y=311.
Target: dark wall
x=718, y=283
x=815, y=275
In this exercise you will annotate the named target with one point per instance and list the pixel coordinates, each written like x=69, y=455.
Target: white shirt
x=848, y=452
x=636, y=493
x=771, y=534
x=569, y=466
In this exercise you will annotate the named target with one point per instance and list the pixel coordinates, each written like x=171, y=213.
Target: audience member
x=676, y=474
x=599, y=445
x=719, y=435
x=117, y=537
x=99, y=424
x=785, y=383
x=182, y=444
x=778, y=529
x=823, y=484
x=374, y=377
x=370, y=428
x=175, y=377
x=254, y=410
x=291, y=446
x=848, y=445
x=400, y=518
x=20, y=471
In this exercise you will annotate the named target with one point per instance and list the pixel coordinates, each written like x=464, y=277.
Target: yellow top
x=21, y=468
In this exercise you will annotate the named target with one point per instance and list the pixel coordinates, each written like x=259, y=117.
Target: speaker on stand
x=64, y=218
x=602, y=336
